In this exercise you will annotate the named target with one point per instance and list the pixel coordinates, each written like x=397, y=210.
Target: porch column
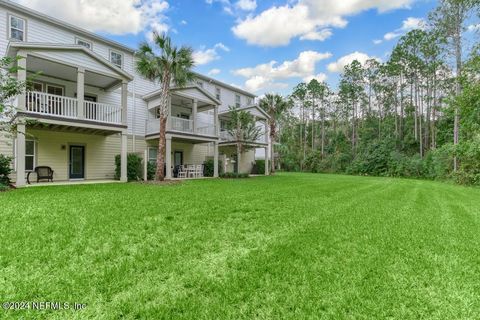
x=80, y=92
x=21, y=76
x=266, y=161
x=194, y=115
x=215, y=120
x=123, y=158
x=215, y=159
x=168, y=157
x=145, y=165
x=239, y=157
x=124, y=102
x=20, y=155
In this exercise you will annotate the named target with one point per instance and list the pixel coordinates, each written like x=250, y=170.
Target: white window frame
x=249, y=101
x=238, y=103
x=9, y=31
x=218, y=93
x=55, y=86
x=200, y=84
x=77, y=40
x=34, y=155
x=121, y=58
x=151, y=160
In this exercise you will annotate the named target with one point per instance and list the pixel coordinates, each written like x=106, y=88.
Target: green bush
x=151, y=170
x=233, y=175
x=208, y=168
x=134, y=167
x=260, y=165
x=5, y=170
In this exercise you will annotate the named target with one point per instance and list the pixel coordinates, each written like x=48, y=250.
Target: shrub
x=151, y=170
x=208, y=168
x=134, y=167
x=5, y=170
x=260, y=166
x=234, y=175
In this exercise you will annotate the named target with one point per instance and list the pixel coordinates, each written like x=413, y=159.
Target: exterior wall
x=192, y=153
x=246, y=159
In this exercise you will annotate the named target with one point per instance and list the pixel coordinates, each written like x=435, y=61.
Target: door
x=77, y=162
x=178, y=158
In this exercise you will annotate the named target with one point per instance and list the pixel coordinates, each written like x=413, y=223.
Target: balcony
x=226, y=137
x=41, y=103
x=180, y=125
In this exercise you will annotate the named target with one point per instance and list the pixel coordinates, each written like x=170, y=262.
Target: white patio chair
x=182, y=171
x=191, y=171
x=199, y=171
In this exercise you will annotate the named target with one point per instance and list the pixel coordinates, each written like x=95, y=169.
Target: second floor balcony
x=227, y=137
x=180, y=125
x=44, y=104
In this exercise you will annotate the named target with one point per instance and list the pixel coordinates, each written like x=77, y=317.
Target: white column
x=215, y=159
x=194, y=115
x=124, y=102
x=239, y=158
x=215, y=120
x=20, y=155
x=145, y=165
x=123, y=158
x=266, y=161
x=168, y=157
x=169, y=113
x=21, y=76
x=80, y=92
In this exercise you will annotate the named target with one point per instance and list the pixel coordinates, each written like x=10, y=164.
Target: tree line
x=415, y=115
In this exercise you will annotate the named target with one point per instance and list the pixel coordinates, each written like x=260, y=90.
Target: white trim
x=110, y=52
x=9, y=31
x=34, y=155
x=90, y=43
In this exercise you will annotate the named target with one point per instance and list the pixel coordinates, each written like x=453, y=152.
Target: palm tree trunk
x=160, y=172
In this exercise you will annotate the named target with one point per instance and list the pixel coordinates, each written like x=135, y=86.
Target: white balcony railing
x=102, y=112
x=50, y=104
x=53, y=105
x=181, y=125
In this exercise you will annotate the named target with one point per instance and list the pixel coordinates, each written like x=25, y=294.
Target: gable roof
x=69, y=47
x=173, y=89
x=219, y=83
x=253, y=106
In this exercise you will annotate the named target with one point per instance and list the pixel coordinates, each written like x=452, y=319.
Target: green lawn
x=291, y=246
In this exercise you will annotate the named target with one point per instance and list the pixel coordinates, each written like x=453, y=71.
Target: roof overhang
x=14, y=47
x=193, y=91
x=248, y=108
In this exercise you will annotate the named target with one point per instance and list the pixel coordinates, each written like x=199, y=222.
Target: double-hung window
x=218, y=93
x=152, y=155
x=17, y=28
x=237, y=101
x=116, y=58
x=29, y=155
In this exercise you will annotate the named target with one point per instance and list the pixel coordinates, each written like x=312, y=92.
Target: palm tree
x=167, y=65
x=275, y=106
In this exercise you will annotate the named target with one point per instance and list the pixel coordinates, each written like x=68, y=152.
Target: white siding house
x=88, y=104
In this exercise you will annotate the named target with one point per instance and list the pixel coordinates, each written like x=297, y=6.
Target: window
x=157, y=113
x=237, y=100
x=116, y=58
x=218, y=93
x=152, y=155
x=37, y=86
x=29, y=155
x=200, y=84
x=17, y=28
x=249, y=101
x=85, y=43
x=56, y=90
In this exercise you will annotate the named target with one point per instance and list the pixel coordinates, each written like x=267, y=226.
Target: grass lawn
x=290, y=246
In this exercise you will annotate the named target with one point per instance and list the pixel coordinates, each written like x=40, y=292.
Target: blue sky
x=236, y=40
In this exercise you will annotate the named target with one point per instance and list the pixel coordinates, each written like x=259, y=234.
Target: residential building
x=88, y=104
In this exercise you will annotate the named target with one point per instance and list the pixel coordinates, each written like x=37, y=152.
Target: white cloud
x=183, y=22
x=319, y=77
x=338, y=65
x=204, y=56
x=214, y=71
x=266, y=75
x=473, y=28
x=321, y=35
x=408, y=24
x=277, y=25
x=109, y=16
x=246, y=5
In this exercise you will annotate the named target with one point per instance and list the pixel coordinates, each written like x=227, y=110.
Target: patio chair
x=199, y=171
x=182, y=171
x=43, y=173
x=191, y=171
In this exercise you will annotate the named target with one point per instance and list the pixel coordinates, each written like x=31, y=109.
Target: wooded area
x=415, y=115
